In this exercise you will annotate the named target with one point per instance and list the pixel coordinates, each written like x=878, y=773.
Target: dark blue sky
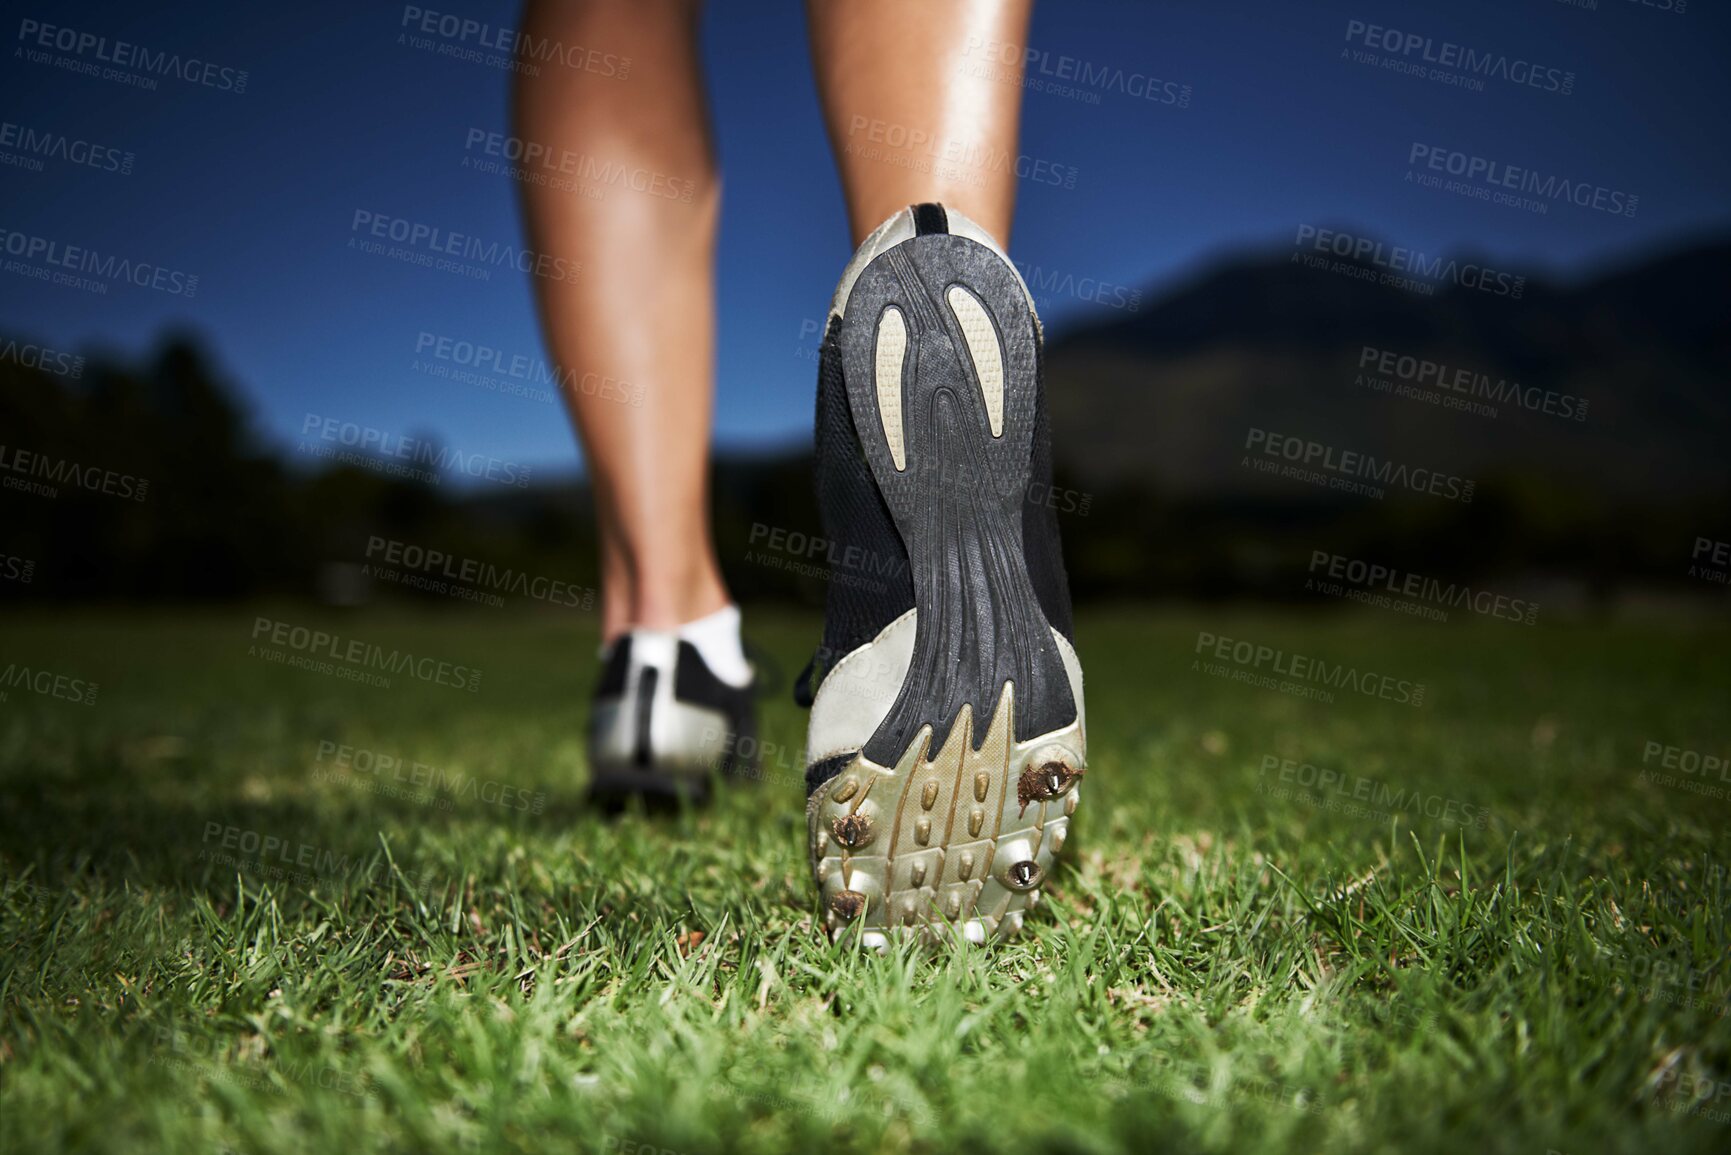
x=254, y=192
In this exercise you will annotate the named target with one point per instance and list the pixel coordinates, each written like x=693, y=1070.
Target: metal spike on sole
x=887, y=864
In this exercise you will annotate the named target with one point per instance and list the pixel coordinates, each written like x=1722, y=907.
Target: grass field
x=1482, y=923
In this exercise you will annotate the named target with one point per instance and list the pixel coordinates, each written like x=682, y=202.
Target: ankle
x=658, y=601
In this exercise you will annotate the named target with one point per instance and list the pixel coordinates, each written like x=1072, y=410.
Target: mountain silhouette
x=1165, y=398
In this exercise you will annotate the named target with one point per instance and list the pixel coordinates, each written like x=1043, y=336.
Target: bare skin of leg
x=642, y=309
x=902, y=70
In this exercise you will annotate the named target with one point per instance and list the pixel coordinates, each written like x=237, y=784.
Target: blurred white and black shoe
x=673, y=710
x=947, y=736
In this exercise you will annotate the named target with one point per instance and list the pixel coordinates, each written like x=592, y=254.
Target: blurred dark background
x=1213, y=276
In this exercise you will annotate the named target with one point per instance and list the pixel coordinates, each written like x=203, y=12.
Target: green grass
x=1532, y=956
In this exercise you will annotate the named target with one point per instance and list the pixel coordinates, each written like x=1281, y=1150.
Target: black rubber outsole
x=956, y=496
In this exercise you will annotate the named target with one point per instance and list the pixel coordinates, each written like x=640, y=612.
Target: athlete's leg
x=623, y=91
x=902, y=70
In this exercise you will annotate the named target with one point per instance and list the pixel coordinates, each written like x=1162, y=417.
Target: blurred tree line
x=225, y=517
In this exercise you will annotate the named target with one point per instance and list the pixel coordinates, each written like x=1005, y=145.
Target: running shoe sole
x=950, y=817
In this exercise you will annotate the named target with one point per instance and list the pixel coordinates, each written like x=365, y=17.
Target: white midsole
x=856, y=695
